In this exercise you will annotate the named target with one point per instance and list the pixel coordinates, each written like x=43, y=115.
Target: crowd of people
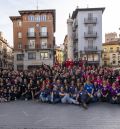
x=74, y=83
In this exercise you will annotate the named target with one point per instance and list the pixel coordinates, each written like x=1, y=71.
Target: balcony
x=43, y=34
x=90, y=34
x=31, y=34
x=106, y=58
x=91, y=49
x=75, y=36
x=75, y=24
x=28, y=47
x=37, y=47
x=90, y=20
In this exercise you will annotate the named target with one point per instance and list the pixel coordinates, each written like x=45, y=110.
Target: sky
x=111, y=17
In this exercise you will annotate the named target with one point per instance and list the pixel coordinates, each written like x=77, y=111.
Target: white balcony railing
x=90, y=34
x=91, y=48
x=92, y=20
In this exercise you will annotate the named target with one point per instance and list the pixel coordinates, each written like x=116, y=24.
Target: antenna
x=37, y=4
x=77, y=4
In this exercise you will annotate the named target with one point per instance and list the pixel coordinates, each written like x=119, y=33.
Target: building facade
x=34, y=39
x=65, y=47
x=87, y=34
x=6, y=54
x=111, y=53
x=59, y=54
x=109, y=37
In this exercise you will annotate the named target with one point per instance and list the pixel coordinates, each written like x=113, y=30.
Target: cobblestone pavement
x=35, y=115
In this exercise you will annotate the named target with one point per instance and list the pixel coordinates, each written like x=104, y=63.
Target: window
x=37, y=18
x=20, y=45
x=114, y=55
x=31, y=18
x=31, y=32
x=44, y=55
x=43, y=43
x=118, y=57
x=20, y=56
x=105, y=55
x=90, y=43
x=105, y=62
x=111, y=49
x=90, y=58
x=43, y=18
x=104, y=49
x=31, y=55
x=19, y=23
x=31, y=44
x=114, y=62
x=90, y=29
x=117, y=49
x=19, y=67
x=43, y=31
x=19, y=35
x=90, y=15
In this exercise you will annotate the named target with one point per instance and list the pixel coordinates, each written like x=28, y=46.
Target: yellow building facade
x=111, y=53
x=59, y=57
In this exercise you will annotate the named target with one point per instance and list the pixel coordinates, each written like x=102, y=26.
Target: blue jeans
x=45, y=98
x=68, y=99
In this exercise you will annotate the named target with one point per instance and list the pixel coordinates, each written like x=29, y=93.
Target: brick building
x=34, y=41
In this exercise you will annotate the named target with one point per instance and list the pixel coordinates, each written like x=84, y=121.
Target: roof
x=36, y=11
x=15, y=17
x=112, y=43
x=86, y=9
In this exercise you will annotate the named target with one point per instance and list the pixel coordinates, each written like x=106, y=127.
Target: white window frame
x=44, y=55
x=31, y=44
x=20, y=45
x=43, y=31
x=31, y=18
x=44, y=43
x=31, y=31
x=31, y=55
x=19, y=34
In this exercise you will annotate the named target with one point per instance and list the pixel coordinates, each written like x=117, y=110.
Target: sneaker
x=26, y=99
x=84, y=106
x=77, y=103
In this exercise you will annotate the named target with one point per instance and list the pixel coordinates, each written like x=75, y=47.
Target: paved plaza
x=36, y=115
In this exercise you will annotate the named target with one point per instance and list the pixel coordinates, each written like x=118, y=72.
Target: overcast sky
x=111, y=16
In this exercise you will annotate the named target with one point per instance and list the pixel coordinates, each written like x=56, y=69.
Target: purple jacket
x=113, y=92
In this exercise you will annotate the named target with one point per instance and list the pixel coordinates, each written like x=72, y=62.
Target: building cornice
x=86, y=9
x=15, y=18
x=111, y=43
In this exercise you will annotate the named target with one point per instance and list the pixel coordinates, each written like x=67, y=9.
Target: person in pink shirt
x=99, y=80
